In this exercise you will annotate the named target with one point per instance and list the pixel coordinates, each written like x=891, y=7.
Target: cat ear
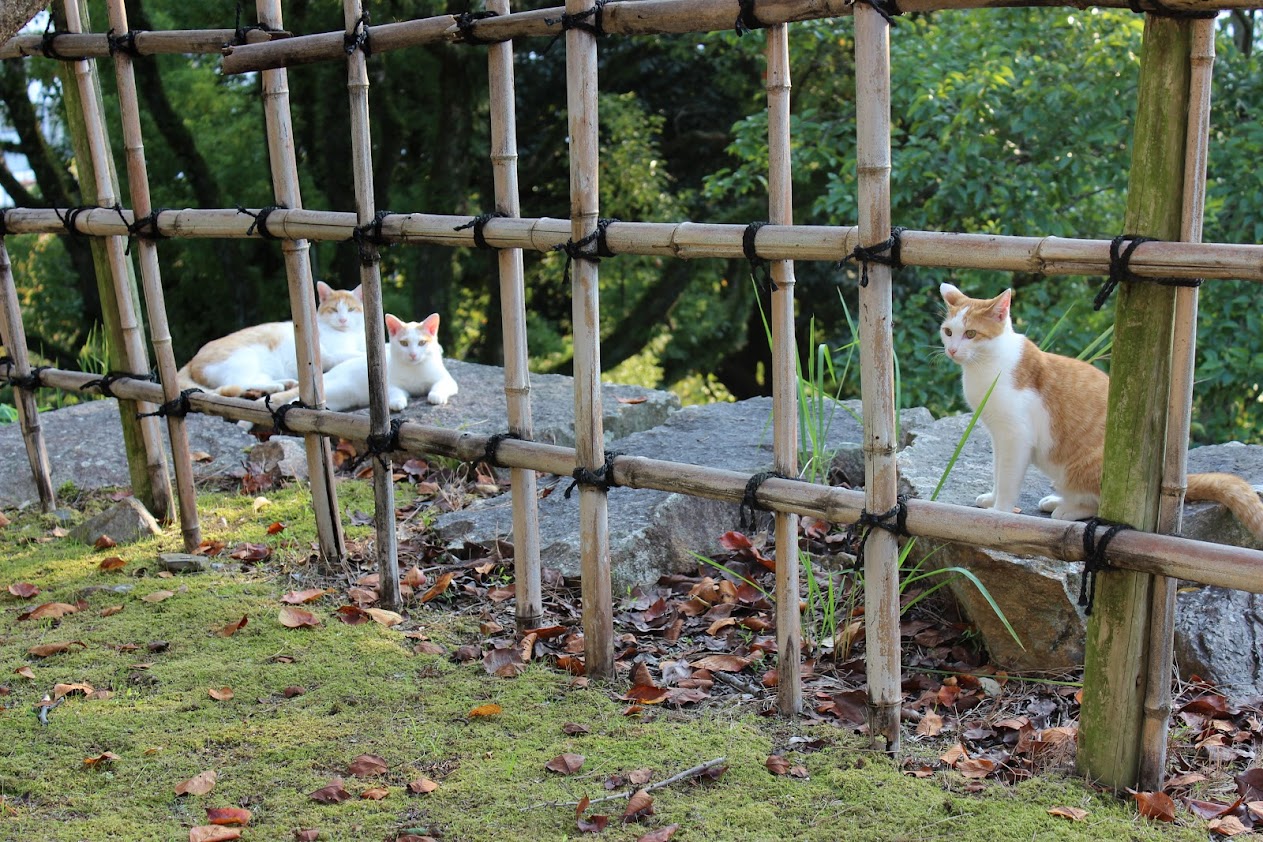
x=1003, y=302
x=358, y=292
x=951, y=294
x=393, y=324
x=323, y=290
x=431, y=324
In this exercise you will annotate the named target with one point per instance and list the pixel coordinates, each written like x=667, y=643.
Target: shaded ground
x=465, y=725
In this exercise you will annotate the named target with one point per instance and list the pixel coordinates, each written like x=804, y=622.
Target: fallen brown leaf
x=299, y=597
x=333, y=793
x=1227, y=826
x=112, y=563
x=104, y=757
x=930, y=725
x=228, y=815
x=721, y=663
x=1155, y=805
x=110, y=610
x=221, y=694
x=297, y=618
x=213, y=833
x=376, y=793
x=199, y=784
x=49, y=610
x=23, y=590
x=367, y=765
x=574, y=729
x=232, y=628
x=491, y=709
x=60, y=690
x=105, y=542
x=565, y=764
x=440, y=585
x=25, y=672
x=158, y=596
x=1073, y=813
x=639, y=806
x=978, y=767
x=422, y=786
x=353, y=615
x=46, y=649
x=777, y=765
x=306, y=834
x=414, y=578
x=662, y=834
x=275, y=527
x=386, y=618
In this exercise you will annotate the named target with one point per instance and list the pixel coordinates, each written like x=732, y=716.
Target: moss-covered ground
x=365, y=690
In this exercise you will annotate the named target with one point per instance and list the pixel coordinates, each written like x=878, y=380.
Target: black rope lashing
x=868, y=521
x=124, y=43
x=279, y=412
x=368, y=237
x=72, y=217
x=602, y=241
x=493, y=445
x=757, y=264
x=750, y=506
x=747, y=20
x=1161, y=10
x=177, y=407
x=888, y=9
x=602, y=477
x=580, y=20
x=241, y=34
x=146, y=227
x=887, y=253
x=381, y=445
x=1094, y=560
x=465, y=23
x=260, y=223
x=358, y=38
x=1120, y=269
x=105, y=384
x=577, y=249
x=30, y=382
x=48, y=44
x=478, y=223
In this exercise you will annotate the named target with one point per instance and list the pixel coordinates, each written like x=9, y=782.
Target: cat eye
x=947, y=331
x=403, y=342
x=970, y=334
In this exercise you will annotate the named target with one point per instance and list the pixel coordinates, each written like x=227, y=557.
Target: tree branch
x=696, y=771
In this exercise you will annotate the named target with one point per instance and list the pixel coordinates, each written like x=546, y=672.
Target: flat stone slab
x=126, y=522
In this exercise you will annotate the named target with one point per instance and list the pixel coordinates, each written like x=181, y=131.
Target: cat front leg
x=1049, y=503
x=396, y=399
x=1012, y=458
x=441, y=391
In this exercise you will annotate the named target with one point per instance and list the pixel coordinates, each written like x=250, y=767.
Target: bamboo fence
x=1165, y=557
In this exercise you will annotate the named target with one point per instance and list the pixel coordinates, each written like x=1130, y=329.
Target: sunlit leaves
x=297, y=618
x=199, y=784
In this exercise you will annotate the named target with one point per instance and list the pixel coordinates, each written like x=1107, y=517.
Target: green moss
x=365, y=692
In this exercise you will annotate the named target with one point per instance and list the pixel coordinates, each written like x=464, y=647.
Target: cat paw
x=437, y=398
x=985, y=501
x=1073, y=512
x=398, y=404
x=1049, y=503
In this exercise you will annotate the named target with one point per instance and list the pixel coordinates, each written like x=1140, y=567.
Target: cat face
x=340, y=310
x=971, y=323
x=414, y=341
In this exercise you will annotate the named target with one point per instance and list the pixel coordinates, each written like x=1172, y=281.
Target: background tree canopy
x=1013, y=121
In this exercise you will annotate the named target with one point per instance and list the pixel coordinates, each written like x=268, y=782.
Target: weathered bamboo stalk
x=1196, y=561
x=1117, y=649
x=146, y=43
x=1157, y=705
x=877, y=380
x=642, y=17
x=517, y=379
x=13, y=334
x=151, y=279
x=789, y=692
x=283, y=163
x=147, y=462
x=690, y=240
x=581, y=105
x=374, y=326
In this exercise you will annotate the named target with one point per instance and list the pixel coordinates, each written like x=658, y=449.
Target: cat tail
x=185, y=379
x=1234, y=492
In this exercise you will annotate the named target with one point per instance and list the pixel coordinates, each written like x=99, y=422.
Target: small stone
x=125, y=522
x=182, y=562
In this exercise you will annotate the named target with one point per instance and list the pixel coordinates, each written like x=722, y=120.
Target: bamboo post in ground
x=877, y=382
x=302, y=297
x=1157, y=705
x=789, y=692
x=151, y=279
x=581, y=103
x=1117, y=650
x=517, y=378
x=116, y=280
x=374, y=327
x=13, y=334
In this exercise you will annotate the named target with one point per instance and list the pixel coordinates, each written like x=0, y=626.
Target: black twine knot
x=887, y=253
x=465, y=23
x=358, y=38
x=146, y=227
x=577, y=249
x=758, y=265
x=177, y=407
x=241, y=33
x=105, y=384
x=602, y=477
x=747, y=514
x=1094, y=560
x=493, y=445
x=868, y=521
x=1120, y=269
x=747, y=20
x=888, y=9
x=381, y=445
x=580, y=20
x=260, y=223
x=72, y=217
x=125, y=43
x=48, y=43
x=29, y=382
x=279, y=412
x=369, y=236
x=1162, y=10
x=479, y=223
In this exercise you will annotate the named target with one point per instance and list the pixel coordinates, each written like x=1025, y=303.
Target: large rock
x=655, y=532
x=126, y=522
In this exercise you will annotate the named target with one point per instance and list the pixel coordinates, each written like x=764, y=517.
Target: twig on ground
x=739, y=683
x=694, y=772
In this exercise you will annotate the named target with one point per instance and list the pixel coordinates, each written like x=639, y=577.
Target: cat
x=261, y=359
x=414, y=367
x=1049, y=410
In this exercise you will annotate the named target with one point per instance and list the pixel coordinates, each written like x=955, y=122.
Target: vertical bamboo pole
x=517, y=379
x=581, y=102
x=154, y=486
x=877, y=387
x=1157, y=706
x=374, y=324
x=302, y=296
x=151, y=278
x=1118, y=650
x=789, y=693
x=13, y=334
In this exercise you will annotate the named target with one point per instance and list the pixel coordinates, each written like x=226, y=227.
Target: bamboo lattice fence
x=268, y=48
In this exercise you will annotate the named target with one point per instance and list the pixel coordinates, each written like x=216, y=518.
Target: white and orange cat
x=414, y=367
x=261, y=359
x=1049, y=410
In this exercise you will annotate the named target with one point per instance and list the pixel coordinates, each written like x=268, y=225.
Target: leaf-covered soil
x=140, y=704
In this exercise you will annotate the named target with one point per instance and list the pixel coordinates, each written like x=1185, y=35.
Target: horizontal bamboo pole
x=146, y=43
x=641, y=17
x=1145, y=552
x=691, y=240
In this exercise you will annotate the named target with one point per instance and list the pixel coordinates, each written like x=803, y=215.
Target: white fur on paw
x=1049, y=503
x=1064, y=512
x=437, y=398
x=985, y=501
x=398, y=404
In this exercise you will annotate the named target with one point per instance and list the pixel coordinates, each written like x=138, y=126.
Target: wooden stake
x=581, y=103
x=877, y=384
x=13, y=335
x=517, y=379
x=1117, y=651
x=789, y=637
x=302, y=296
x=142, y=436
x=151, y=278
x=374, y=326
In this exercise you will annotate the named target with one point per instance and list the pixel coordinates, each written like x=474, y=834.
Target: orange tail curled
x=1232, y=491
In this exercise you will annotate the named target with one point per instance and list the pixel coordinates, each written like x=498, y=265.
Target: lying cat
x=261, y=359
x=414, y=367
x=1050, y=410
